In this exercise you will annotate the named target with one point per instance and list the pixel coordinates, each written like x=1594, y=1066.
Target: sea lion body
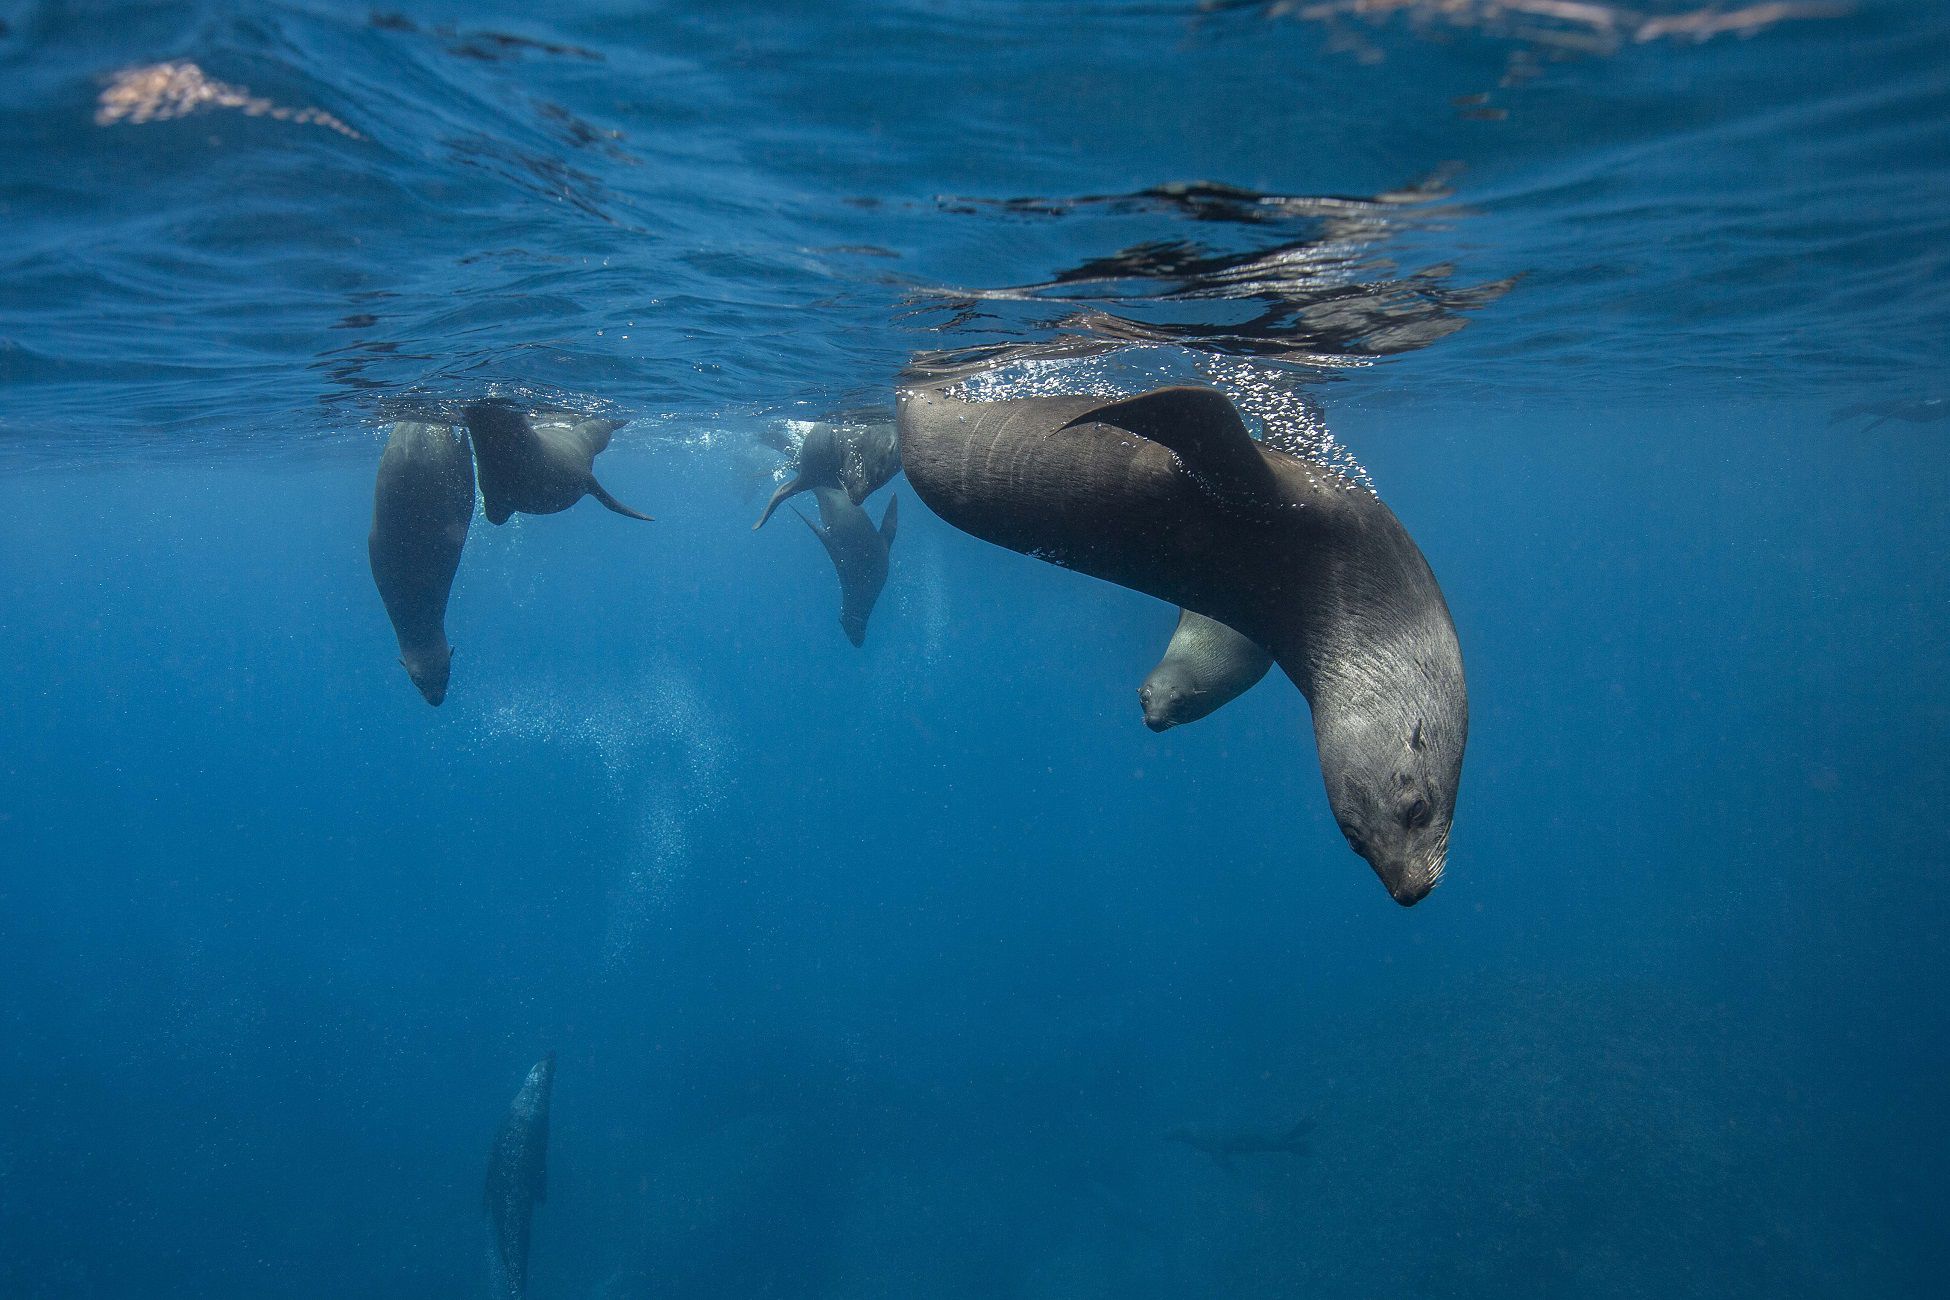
x=422, y=504
x=517, y=1179
x=1206, y=666
x=859, y=552
x=859, y=457
x=1167, y=493
x=539, y=465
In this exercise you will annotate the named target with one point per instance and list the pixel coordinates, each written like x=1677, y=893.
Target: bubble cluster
x=663, y=755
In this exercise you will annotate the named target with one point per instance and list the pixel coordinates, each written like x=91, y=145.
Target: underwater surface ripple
x=733, y=210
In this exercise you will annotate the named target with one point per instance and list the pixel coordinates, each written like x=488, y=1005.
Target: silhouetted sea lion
x=538, y=466
x=859, y=553
x=1911, y=410
x=422, y=504
x=1167, y=493
x=1222, y=1144
x=858, y=455
x=1205, y=666
x=517, y=1179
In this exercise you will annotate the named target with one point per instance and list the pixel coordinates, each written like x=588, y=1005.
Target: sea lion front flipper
x=1198, y=425
x=596, y=433
x=890, y=522
x=790, y=488
x=596, y=491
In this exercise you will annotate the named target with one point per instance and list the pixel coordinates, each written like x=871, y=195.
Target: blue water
x=881, y=972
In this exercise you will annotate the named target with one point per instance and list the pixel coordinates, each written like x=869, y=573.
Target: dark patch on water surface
x=485, y=46
x=1214, y=201
x=1324, y=292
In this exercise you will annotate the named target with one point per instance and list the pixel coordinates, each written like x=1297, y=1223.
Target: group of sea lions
x=423, y=503
x=1270, y=557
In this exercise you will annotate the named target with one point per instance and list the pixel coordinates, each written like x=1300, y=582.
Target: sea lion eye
x=1416, y=740
x=1416, y=815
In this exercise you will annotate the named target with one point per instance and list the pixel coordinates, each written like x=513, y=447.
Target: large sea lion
x=422, y=503
x=541, y=465
x=517, y=1180
x=1206, y=666
x=858, y=454
x=1168, y=494
x=859, y=553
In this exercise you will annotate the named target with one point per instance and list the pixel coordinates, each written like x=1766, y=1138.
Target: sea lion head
x=1169, y=697
x=1391, y=781
x=430, y=673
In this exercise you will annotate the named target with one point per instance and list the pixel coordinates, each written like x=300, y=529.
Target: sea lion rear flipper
x=1198, y=425
x=890, y=522
x=596, y=491
x=825, y=538
x=791, y=487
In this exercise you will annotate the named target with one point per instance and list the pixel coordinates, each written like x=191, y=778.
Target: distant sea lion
x=1913, y=410
x=1222, y=1144
x=1168, y=494
x=859, y=455
x=1206, y=666
x=859, y=553
x=517, y=1179
x=422, y=504
x=538, y=466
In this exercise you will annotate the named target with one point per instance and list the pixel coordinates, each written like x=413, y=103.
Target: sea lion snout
x=1405, y=890
x=1158, y=705
x=1408, y=860
x=431, y=676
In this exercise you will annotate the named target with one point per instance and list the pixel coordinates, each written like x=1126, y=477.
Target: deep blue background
x=942, y=939
x=881, y=972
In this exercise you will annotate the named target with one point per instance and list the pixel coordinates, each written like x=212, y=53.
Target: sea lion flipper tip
x=791, y=487
x=596, y=490
x=819, y=531
x=890, y=522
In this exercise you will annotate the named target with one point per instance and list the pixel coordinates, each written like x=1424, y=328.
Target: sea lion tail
x=791, y=487
x=596, y=491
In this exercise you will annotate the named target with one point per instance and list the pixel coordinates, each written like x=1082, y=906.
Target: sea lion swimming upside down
x=422, y=504
x=855, y=452
x=539, y=465
x=1167, y=493
x=860, y=551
